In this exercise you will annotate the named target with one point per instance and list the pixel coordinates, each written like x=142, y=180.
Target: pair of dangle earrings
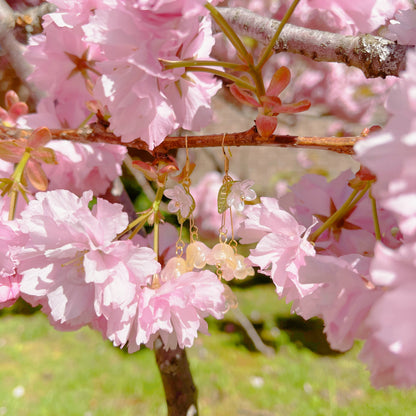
x=224, y=255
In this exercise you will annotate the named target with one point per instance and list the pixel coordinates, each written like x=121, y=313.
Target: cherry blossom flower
x=176, y=310
x=81, y=167
x=391, y=153
x=343, y=296
x=9, y=278
x=342, y=16
x=281, y=249
x=314, y=197
x=181, y=201
x=389, y=349
x=70, y=263
x=403, y=27
x=143, y=99
x=241, y=191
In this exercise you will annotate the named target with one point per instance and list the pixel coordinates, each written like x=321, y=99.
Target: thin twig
x=142, y=181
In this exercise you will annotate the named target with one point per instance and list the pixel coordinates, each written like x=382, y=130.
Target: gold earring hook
x=226, y=160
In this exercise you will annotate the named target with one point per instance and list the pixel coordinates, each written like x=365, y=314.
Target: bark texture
x=180, y=391
x=97, y=134
x=374, y=55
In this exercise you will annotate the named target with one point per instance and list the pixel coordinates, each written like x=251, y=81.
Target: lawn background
x=45, y=372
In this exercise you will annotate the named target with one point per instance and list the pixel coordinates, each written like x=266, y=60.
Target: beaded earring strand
x=183, y=204
x=224, y=254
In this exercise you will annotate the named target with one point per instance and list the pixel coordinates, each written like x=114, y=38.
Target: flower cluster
x=110, y=51
x=70, y=262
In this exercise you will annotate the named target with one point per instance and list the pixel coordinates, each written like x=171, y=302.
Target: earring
x=224, y=255
x=183, y=204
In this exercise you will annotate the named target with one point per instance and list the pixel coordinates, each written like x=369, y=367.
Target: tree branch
x=14, y=49
x=95, y=133
x=374, y=55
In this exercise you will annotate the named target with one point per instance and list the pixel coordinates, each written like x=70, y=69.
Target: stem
x=345, y=209
x=334, y=217
x=361, y=194
x=190, y=64
x=17, y=177
x=13, y=204
x=137, y=223
x=230, y=34
x=243, y=84
x=375, y=216
x=268, y=52
x=87, y=119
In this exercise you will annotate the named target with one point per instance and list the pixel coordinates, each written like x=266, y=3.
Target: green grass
x=79, y=374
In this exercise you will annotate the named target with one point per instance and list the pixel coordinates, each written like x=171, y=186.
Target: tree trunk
x=180, y=391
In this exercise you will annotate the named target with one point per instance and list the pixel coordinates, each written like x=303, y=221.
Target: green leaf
x=223, y=195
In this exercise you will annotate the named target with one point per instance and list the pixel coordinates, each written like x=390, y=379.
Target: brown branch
x=95, y=133
x=14, y=49
x=374, y=55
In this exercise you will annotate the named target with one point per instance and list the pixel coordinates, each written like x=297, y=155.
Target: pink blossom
x=83, y=167
x=344, y=90
x=389, y=329
x=343, y=16
x=403, y=28
x=175, y=311
x=71, y=264
x=389, y=350
x=342, y=297
x=313, y=196
x=144, y=100
x=64, y=65
x=281, y=249
x=391, y=153
x=168, y=236
x=9, y=278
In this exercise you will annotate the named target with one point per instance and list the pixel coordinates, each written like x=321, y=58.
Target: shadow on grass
x=20, y=307
x=304, y=334
x=307, y=334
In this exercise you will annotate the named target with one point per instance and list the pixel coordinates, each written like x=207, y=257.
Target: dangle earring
x=224, y=255
x=184, y=204
x=196, y=252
